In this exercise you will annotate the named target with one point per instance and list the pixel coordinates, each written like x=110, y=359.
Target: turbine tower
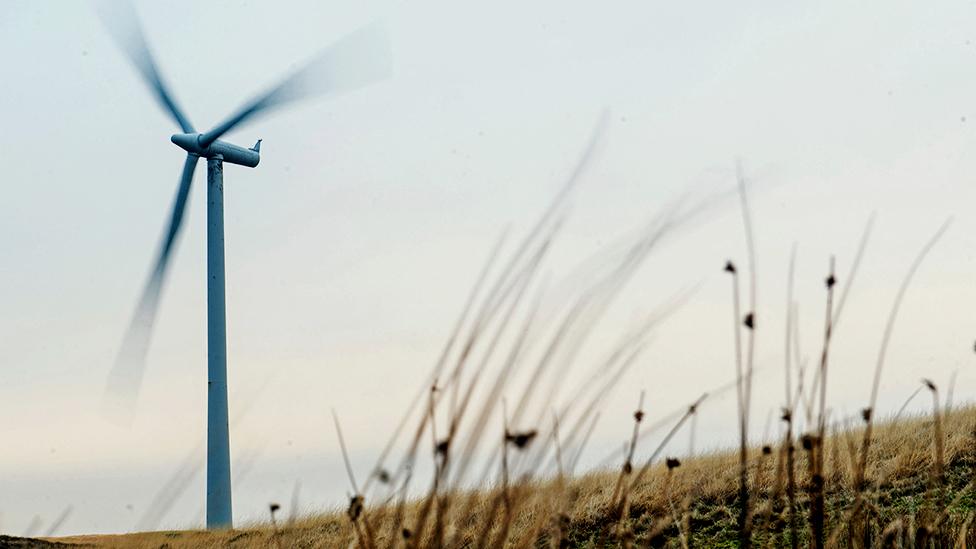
x=357, y=60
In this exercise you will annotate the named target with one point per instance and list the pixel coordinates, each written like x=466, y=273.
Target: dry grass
x=901, y=460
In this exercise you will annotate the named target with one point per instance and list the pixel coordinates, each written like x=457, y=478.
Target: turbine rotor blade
x=123, y=24
x=359, y=59
x=125, y=378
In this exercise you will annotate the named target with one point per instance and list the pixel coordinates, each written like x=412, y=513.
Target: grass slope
x=694, y=504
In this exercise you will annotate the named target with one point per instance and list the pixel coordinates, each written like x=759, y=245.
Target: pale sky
x=351, y=248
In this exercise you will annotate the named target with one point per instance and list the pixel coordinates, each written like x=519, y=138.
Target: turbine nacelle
x=233, y=154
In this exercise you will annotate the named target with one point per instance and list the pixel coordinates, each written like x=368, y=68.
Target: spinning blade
x=122, y=23
x=126, y=375
x=355, y=61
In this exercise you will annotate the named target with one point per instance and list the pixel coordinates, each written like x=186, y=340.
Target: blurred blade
x=359, y=59
x=126, y=375
x=123, y=24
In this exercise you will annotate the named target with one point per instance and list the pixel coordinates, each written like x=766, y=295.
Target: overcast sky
x=351, y=248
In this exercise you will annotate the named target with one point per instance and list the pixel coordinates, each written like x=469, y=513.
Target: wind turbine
x=359, y=59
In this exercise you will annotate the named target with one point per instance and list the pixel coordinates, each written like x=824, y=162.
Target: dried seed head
x=638, y=415
x=766, y=450
x=443, y=446
x=866, y=414
x=383, y=476
x=928, y=383
x=672, y=463
x=729, y=267
x=406, y=533
x=628, y=467
x=274, y=508
x=831, y=280
x=807, y=442
x=787, y=415
x=521, y=440
x=355, y=507
x=750, y=321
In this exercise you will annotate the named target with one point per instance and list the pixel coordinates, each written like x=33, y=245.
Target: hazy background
x=351, y=248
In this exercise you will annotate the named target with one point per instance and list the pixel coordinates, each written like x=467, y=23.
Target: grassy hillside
x=691, y=504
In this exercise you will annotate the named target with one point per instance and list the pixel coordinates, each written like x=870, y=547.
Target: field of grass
x=694, y=504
